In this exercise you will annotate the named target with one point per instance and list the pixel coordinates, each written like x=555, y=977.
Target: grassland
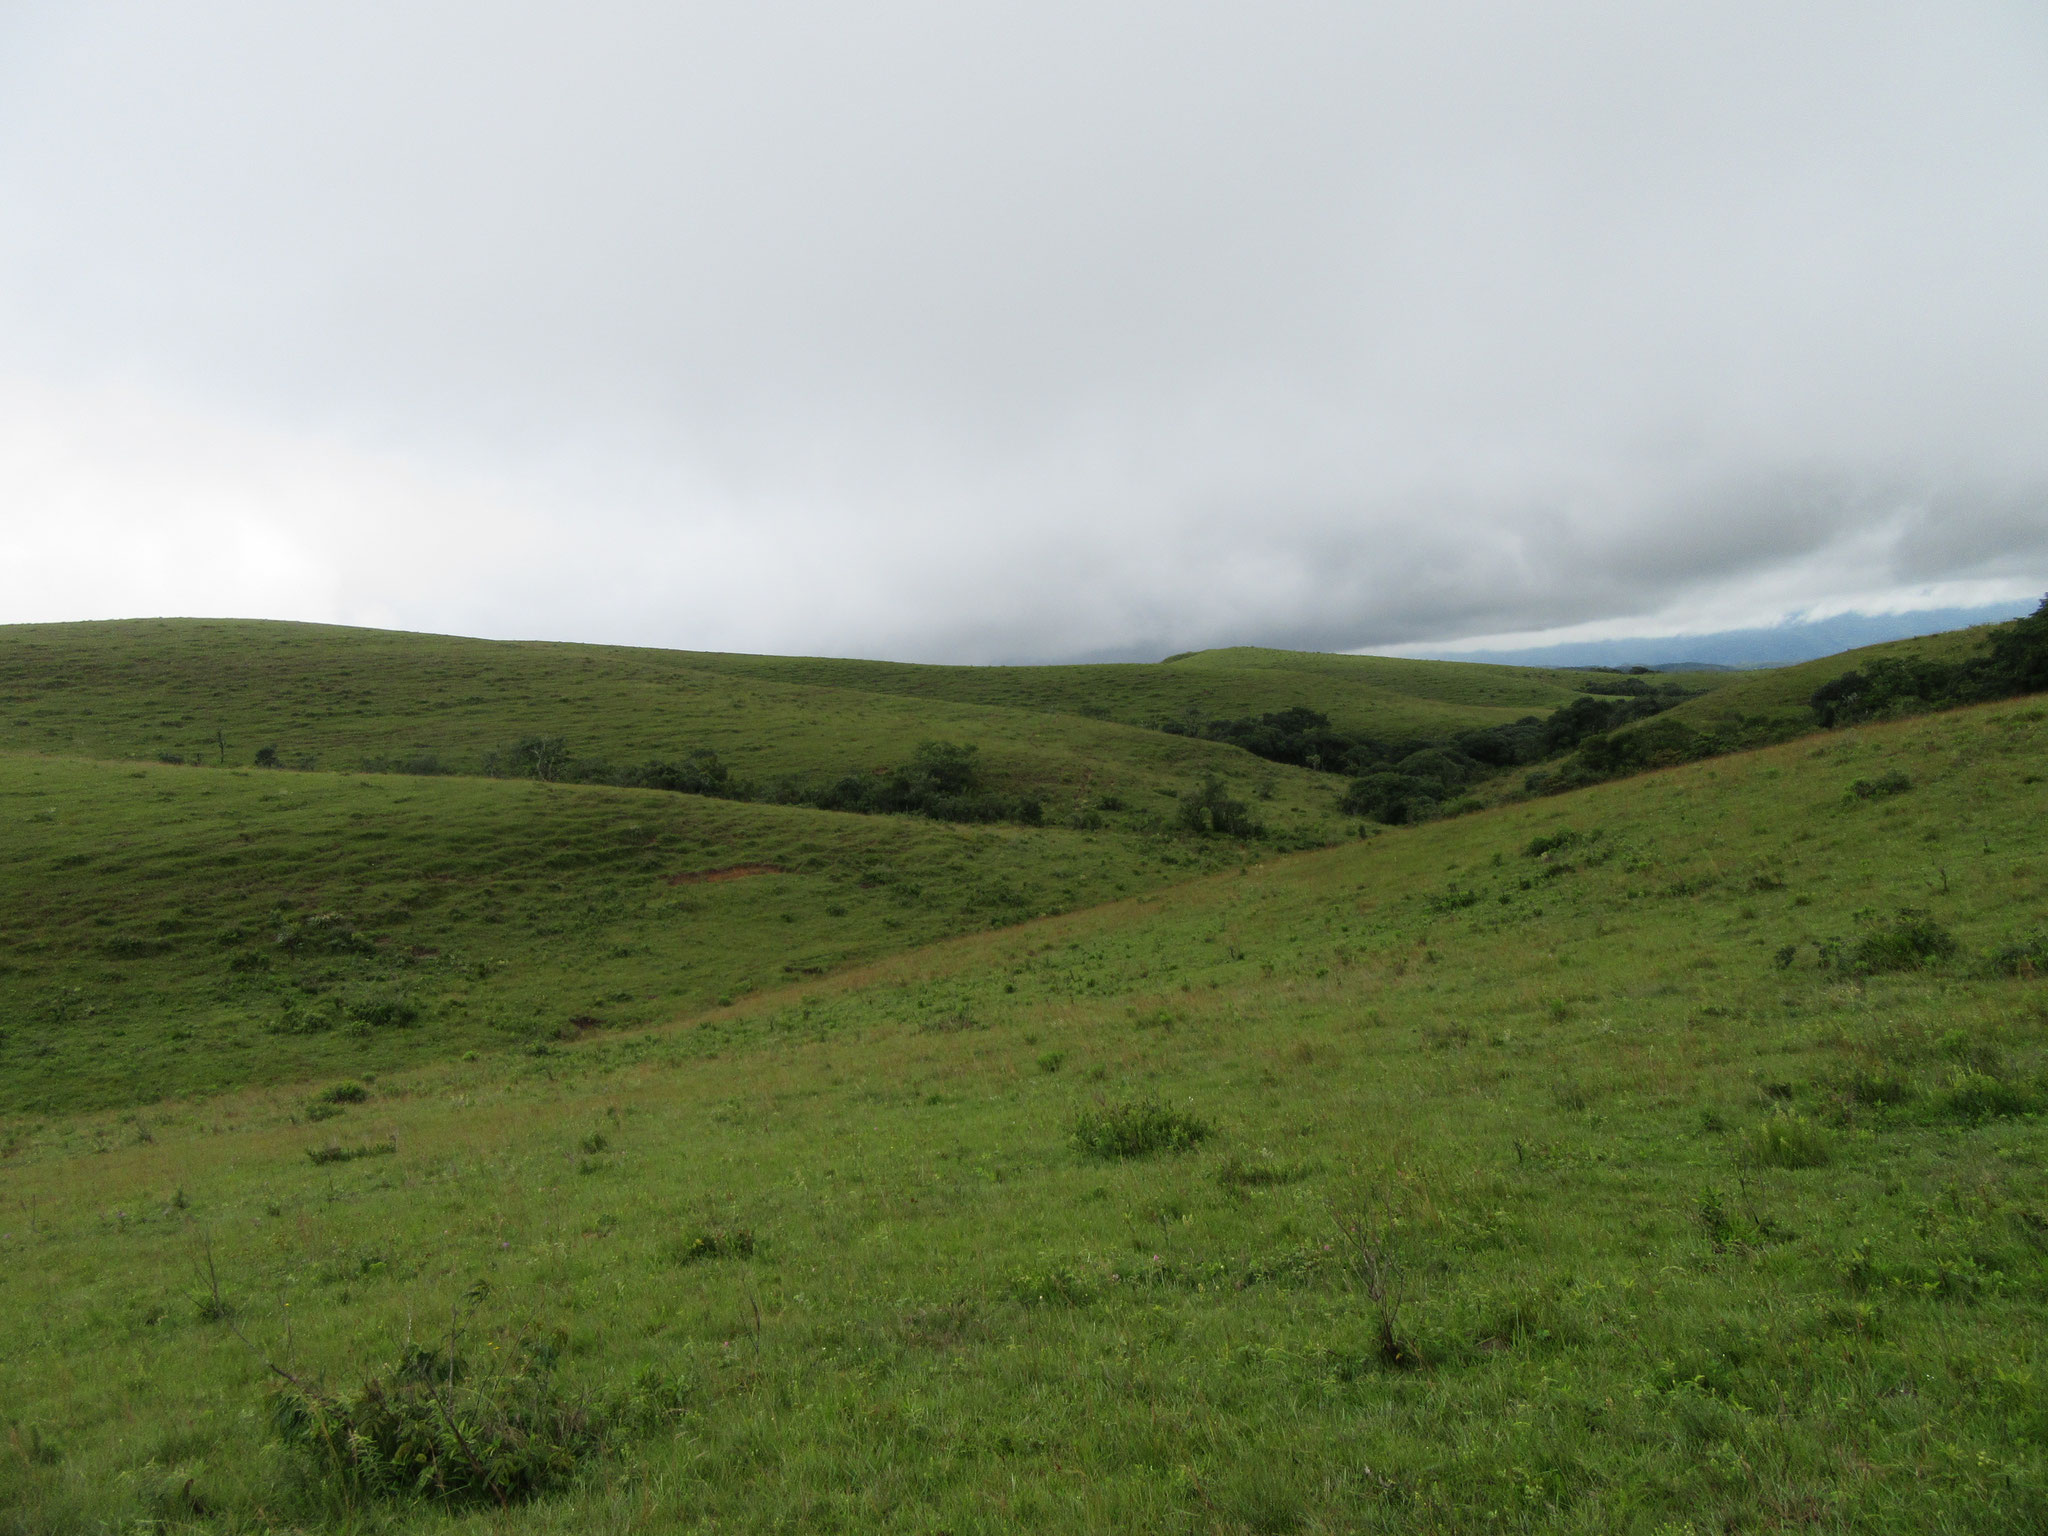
x=1773, y=702
x=1551, y=1181
x=217, y=690
x=1377, y=695
x=170, y=929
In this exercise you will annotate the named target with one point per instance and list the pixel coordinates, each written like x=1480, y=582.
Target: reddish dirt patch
x=734, y=872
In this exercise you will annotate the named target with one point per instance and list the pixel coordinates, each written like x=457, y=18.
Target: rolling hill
x=1667, y=1155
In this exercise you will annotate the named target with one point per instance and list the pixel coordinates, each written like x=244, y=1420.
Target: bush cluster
x=432, y=1429
x=942, y=780
x=2014, y=661
x=1136, y=1128
x=1396, y=781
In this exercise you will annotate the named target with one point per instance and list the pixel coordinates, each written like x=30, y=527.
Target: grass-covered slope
x=330, y=697
x=1384, y=696
x=1773, y=702
x=1527, y=1171
x=167, y=930
x=337, y=696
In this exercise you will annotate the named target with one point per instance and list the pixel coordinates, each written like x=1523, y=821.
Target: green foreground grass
x=1522, y=1172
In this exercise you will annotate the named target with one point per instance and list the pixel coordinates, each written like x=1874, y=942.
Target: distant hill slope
x=1773, y=703
x=331, y=697
x=1382, y=695
x=166, y=930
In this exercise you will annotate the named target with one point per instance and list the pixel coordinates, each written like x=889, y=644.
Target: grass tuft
x=1136, y=1128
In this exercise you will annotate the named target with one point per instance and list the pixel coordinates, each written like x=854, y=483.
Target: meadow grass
x=1773, y=702
x=168, y=929
x=1561, y=1168
x=219, y=691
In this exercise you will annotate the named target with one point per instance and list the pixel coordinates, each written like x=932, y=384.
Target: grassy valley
x=429, y=1152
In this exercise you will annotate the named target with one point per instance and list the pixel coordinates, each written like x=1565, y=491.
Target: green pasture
x=1663, y=1157
x=1391, y=697
x=218, y=691
x=1772, y=703
x=172, y=929
x=205, y=687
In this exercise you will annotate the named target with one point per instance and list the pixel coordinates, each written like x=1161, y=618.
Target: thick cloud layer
x=971, y=331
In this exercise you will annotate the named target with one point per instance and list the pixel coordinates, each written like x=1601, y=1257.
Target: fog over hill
x=1768, y=646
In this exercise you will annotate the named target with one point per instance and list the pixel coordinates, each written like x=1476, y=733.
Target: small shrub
x=318, y=1111
x=345, y=1093
x=385, y=1011
x=2026, y=957
x=326, y=933
x=1784, y=1141
x=1882, y=787
x=1876, y=1086
x=333, y=1153
x=1571, y=1095
x=1056, y=1285
x=1052, y=1061
x=1136, y=1128
x=1555, y=842
x=594, y=1143
x=429, y=1430
x=1264, y=1172
x=1210, y=809
x=1905, y=943
x=1973, y=1095
x=1452, y=900
x=709, y=1243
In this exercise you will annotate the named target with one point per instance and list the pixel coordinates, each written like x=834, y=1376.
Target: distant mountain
x=1734, y=649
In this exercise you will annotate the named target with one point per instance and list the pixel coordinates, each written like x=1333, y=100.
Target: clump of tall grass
x=433, y=1428
x=1136, y=1128
x=1784, y=1141
x=694, y=1247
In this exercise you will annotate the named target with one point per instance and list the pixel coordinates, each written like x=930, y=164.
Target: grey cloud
x=979, y=331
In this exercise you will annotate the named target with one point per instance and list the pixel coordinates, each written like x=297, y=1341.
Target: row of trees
x=942, y=780
x=1397, y=780
x=2014, y=661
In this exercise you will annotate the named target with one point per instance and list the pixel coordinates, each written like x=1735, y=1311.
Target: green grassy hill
x=168, y=930
x=1773, y=702
x=1663, y=1157
x=331, y=697
x=1380, y=695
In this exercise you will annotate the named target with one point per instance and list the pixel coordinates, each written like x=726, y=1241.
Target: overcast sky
x=1027, y=331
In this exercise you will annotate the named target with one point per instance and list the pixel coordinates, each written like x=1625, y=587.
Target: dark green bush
x=1210, y=809
x=709, y=1243
x=1394, y=799
x=2014, y=661
x=1975, y=1096
x=388, y=1010
x=431, y=1428
x=2022, y=957
x=344, y=1093
x=333, y=1153
x=1882, y=787
x=1904, y=943
x=325, y=933
x=1136, y=1128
